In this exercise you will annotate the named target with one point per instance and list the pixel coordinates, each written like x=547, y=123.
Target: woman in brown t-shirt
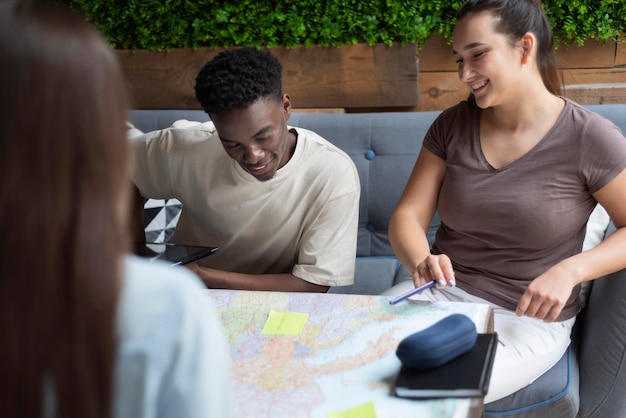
x=514, y=171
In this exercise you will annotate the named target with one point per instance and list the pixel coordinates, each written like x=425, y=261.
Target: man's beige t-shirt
x=302, y=221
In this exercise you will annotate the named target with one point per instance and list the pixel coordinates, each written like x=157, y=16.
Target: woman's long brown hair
x=64, y=174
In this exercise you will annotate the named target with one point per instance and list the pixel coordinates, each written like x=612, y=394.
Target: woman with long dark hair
x=87, y=331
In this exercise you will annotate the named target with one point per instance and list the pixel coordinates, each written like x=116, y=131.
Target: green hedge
x=166, y=24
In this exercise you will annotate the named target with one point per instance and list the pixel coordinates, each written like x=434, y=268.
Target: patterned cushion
x=160, y=219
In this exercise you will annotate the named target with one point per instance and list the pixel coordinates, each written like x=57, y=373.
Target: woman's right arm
x=411, y=218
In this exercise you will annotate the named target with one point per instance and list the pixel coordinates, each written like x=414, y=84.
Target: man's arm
x=285, y=282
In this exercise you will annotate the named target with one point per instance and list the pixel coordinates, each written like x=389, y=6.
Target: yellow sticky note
x=366, y=410
x=285, y=323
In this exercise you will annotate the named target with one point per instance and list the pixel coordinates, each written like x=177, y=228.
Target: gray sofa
x=588, y=381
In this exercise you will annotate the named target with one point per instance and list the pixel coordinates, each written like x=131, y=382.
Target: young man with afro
x=280, y=202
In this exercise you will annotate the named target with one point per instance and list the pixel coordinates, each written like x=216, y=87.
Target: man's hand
x=193, y=267
x=218, y=279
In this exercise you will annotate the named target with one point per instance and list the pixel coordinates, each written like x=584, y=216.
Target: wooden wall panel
x=360, y=78
x=350, y=76
x=440, y=89
x=436, y=55
x=592, y=54
x=620, y=53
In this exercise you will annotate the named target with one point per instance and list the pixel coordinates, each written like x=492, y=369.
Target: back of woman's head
x=515, y=18
x=64, y=173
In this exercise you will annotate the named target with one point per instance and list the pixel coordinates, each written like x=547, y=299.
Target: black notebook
x=466, y=376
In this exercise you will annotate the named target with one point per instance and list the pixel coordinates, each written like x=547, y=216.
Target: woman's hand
x=434, y=267
x=546, y=296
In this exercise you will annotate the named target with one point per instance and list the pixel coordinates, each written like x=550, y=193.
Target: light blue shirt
x=173, y=360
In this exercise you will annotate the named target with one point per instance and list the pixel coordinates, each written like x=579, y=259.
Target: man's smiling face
x=257, y=136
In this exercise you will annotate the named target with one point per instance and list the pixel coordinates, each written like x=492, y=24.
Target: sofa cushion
x=372, y=276
x=555, y=394
x=384, y=147
x=596, y=228
x=602, y=331
x=160, y=219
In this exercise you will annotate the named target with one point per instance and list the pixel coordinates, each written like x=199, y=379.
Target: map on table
x=340, y=364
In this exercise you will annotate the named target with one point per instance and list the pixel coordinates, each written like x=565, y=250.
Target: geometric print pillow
x=160, y=219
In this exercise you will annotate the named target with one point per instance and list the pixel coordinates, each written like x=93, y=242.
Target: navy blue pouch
x=439, y=343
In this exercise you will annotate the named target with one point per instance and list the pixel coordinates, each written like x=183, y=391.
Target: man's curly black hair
x=236, y=78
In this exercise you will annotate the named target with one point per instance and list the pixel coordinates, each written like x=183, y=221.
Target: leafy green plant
x=578, y=20
x=165, y=24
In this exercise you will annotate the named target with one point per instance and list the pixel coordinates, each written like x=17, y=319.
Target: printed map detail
x=343, y=358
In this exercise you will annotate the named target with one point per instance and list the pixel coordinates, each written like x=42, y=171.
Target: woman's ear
x=527, y=45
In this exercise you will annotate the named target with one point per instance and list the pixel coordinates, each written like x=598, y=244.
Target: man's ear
x=286, y=106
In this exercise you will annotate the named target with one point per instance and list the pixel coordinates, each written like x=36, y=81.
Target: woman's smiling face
x=488, y=63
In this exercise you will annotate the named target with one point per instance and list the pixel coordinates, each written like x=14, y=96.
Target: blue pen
x=413, y=292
